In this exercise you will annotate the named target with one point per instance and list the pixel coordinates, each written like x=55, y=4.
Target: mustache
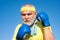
x=27, y=21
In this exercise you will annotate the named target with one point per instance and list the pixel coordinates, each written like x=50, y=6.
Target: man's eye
x=29, y=13
x=23, y=14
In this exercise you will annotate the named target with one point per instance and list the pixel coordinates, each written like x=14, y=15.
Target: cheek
x=32, y=17
x=23, y=18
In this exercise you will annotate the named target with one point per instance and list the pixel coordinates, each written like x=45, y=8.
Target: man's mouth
x=27, y=21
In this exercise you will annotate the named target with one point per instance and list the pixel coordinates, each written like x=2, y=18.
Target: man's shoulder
x=16, y=31
x=18, y=26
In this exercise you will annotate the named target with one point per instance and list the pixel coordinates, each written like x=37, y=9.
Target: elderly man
x=35, y=26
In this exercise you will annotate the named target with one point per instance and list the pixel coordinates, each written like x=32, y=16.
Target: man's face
x=28, y=17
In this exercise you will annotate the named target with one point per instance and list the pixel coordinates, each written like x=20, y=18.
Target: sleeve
x=16, y=31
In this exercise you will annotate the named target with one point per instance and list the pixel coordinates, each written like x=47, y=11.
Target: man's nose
x=26, y=16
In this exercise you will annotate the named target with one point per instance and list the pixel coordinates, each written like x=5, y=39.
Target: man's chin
x=28, y=23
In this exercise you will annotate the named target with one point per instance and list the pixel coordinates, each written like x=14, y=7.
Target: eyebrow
x=26, y=14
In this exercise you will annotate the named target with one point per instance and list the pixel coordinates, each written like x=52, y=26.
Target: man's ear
x=35, y=14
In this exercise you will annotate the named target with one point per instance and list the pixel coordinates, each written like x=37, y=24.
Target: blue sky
x=10, y=15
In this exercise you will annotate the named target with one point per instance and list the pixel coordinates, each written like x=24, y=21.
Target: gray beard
x=30, y=23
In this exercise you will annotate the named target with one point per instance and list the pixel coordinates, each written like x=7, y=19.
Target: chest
x=37, y=36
